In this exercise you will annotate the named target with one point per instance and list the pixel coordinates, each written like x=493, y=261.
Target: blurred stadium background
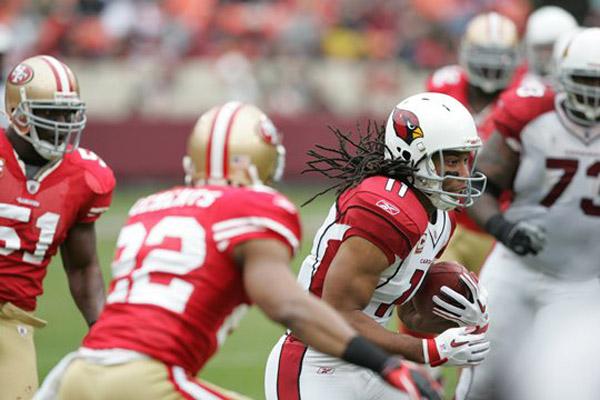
x=149, y=68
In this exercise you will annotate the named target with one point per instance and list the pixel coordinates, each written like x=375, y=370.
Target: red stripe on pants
x=290, y=366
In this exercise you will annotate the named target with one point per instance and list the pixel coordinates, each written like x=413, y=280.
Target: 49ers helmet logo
x=21, y=74
x=268, y=132
x=406, y=125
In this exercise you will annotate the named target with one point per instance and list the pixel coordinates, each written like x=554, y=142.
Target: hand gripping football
x=443, y=273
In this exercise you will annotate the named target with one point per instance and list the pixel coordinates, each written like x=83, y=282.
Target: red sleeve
x=258, y=216
x=100, y=181
x=446, y=79
x=390, y=226
x=519, y=106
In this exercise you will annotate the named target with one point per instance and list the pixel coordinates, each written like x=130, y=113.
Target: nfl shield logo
x=33, y=186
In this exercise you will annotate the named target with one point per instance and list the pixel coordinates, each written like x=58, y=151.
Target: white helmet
x=544, y=27
x=579, y=75
x=6, y=39
x=558, y=51
x=489, y=51
x=428, y=124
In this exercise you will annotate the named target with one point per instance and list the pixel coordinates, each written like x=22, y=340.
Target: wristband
x=363, y=353
x=497, y=226
x=431, y=353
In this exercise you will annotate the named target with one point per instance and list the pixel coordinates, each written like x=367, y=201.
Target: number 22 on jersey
x=142, y=250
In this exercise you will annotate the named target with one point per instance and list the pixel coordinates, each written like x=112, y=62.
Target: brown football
x=443, y=273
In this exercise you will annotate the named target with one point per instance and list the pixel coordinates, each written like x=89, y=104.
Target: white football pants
x=517, y=293
x=295, y=372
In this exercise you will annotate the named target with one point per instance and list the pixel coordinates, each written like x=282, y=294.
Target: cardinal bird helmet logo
x=406, y=125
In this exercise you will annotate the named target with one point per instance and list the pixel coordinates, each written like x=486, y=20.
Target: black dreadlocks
x=355, y=160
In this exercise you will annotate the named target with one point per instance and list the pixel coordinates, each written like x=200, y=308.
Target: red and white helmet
x=579, y=76
x=43, y=83
x=234, y=143
x=544, y=27
x=425, y=125
x=489, y=51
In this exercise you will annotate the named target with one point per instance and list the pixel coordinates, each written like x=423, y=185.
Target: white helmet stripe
x=218, y=138
x=494, y=27
x=60, y=73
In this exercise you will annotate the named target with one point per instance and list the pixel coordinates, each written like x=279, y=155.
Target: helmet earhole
x=406, y=154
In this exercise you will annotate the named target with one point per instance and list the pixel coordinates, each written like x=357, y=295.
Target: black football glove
x=521, y=237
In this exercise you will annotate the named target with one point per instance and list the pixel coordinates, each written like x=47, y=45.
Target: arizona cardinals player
x=547, y=148
x=189, y=262
x=41, y=166
x=388, y=224
x=488, y=59
x=544, y=27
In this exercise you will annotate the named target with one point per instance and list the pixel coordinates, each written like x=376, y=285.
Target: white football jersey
x=410, y=263
x=557, y=187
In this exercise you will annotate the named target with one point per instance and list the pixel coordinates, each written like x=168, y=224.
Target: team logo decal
x=21, y=74
x=406, y=125
x=420, y=245
x=268, y=132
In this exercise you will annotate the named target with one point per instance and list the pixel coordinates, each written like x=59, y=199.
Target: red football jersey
x=451, y=80
x=519, y=106
x=176, y=290
x=388, y=214
x=36, y=215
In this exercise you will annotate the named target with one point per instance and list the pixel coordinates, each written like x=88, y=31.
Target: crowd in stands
x=238, y=36
x=423, y=32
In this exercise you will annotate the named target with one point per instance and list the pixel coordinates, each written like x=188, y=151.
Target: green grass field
x=238, y=366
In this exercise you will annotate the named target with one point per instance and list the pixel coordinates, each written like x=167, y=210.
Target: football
x=443, y=273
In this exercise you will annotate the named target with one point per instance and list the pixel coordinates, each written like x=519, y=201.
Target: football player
x=544, y=27
x=189, y=262
x=388, y=224
x=547, y=148
x=488, y=57
x=52, y=192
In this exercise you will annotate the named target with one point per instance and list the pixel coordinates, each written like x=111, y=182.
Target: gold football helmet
x=43, y=105
x=489, y=51
x=234, y=143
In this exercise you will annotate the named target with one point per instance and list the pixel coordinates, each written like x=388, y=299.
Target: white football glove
x=469, y=313
x=456, y=346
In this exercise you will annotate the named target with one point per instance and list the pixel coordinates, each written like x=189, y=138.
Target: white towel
x=51, y=385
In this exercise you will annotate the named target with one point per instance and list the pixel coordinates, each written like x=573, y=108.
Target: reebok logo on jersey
x=387, y=207
x=325, y=371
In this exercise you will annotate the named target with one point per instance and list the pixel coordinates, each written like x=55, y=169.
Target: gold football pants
x=136, y=380
x=18, y=367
